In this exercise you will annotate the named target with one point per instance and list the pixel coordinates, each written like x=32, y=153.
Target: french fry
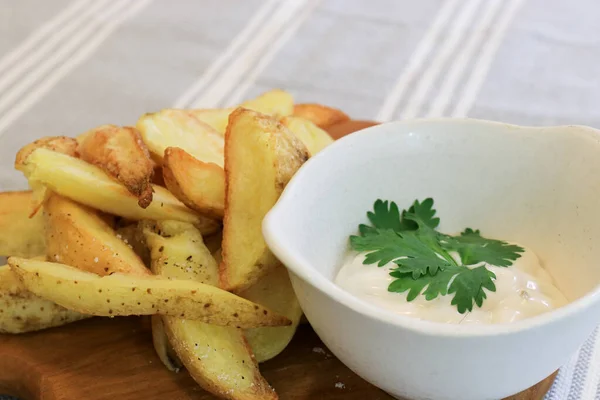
x=59, y=144
x=89, y=185
x=198, y=185
x=314, y=138
x=121, y=153
x=276, y=103
x=320, y=115
x=217, y=357
x=20, y=235
x=180, y=128
x=275, y=291
x=261, y=155
x=77, y=236
x=23, y=311
x=122, y=295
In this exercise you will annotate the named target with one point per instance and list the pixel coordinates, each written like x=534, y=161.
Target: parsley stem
x=446, y=256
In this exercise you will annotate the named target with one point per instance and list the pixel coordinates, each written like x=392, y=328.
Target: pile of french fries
x=164, y=219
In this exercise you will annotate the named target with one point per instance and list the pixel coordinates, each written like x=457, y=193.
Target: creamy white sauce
x=523, y=290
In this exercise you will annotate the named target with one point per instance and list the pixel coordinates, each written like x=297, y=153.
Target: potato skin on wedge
x=121, y=153
x=121, y=295
x=218, y=358
x=320, y=115
x=77, y=236
x=89, y=185
x=198, y=185
x=60, y=144
x=22, y=311
x=261, y=155
x=20, y=235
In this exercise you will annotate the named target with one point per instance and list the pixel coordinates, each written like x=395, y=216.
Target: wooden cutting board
x=102, y=359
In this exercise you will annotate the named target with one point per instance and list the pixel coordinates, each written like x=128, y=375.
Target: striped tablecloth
x=69, y=65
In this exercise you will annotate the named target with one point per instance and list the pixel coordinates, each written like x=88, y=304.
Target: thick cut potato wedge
x=20, y=235
x=199, y=185
x=77, y=236
x=322, y=116
x=22, y=311
x=165, y=352
x=314, y=138
x=277, y=103
x=261, y=155
x=218, y=118
x=89, y=185
x=119, y=294
x=180, y=128
x=217, y=357
x=274, y=291
x=133, y=236
x=59, y=144
x=122, y=154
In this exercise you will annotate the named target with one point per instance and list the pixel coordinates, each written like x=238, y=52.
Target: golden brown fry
x=261, y=155
x=23, y=311
x=20, y=235
x=59, y=144
x=320, y=115
x=122, y=154
x=180, y=128
x=77, y=236
x=314, y=138
x=199, y=185
x=122, y=295
x=89, y=185
x=217, y=357
x=274, y=291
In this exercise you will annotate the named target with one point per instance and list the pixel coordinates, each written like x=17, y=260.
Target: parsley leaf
x=406, y=249
x=424, y=265
x=436, y=284
x=421, y=214
x=475, y=249
x=386, y=215
x=466, y=284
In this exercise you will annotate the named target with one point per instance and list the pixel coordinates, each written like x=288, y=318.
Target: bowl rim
x=300, y=267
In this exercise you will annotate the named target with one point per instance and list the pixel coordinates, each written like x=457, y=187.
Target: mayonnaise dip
x=523, y=290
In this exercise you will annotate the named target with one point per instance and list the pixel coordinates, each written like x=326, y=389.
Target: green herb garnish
x=422, y=254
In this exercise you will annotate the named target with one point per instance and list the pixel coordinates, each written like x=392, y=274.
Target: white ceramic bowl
x=536, y=186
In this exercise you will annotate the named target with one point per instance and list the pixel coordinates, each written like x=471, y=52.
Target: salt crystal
x=340, y=385
x=96, y=259
x=318, y=350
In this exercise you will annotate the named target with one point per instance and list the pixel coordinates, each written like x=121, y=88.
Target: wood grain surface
x=102, y=358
